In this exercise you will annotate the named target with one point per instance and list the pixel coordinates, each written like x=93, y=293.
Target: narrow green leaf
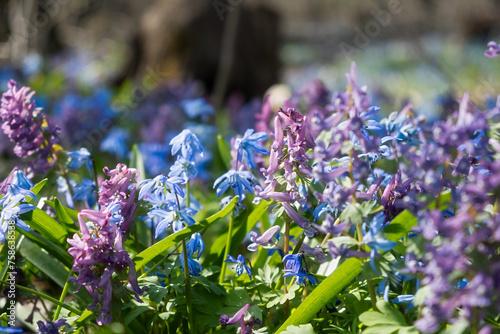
x=46, y=225
x=36, y=189
x=55, y=250
x=150, y=253
x=136, y=311
x=48, y=265
x=63, y=215
x=323, y=293
x=224, y=151
x=83, y=319
x=71, y=212
x=46, y=297
x=137, y=162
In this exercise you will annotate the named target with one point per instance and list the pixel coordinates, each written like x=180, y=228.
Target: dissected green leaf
x=302, y=329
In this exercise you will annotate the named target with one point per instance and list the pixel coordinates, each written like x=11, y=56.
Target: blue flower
x=404, y=299
x=249, y=144
x=197, y=107
x=85, y=191
x=159, y=186
x=155, y=157
x=116, y=142
x=374, y=238
x=189, y=145
x=11, y=209
x=171, y=218
x=5, y=329
x=195, y=244
x=293, y=267
x=62, y=188
x=183, y=168
x=239, y=181
x=80, y=157
x=21, y=180
x=240, y=265
x=194, y=267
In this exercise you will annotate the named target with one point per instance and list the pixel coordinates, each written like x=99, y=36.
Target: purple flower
x=97, y=255
x=240, y=265
x=31, y=131
x=120, y=189
x=302, y=222
x=237, y=317
x=248, y=145
x=49, y=327
x=493, y=50
x=263, y=240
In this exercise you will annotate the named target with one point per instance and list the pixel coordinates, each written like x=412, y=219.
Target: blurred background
x=101, y=68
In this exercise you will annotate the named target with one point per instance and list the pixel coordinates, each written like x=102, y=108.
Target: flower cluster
x=31, y=131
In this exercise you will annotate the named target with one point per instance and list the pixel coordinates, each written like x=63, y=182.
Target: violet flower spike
x=237, y=317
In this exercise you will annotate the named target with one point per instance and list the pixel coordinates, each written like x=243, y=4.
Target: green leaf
x=62, y=215
x=323, y=293
x=150, y=253
x=46, y=225
x=224, y=151
x=83, y=319
x=55, y=250
x=386, y=329
x=36, y=189
x=387, y=316
x=400, y=226
x=302, y=329
x=137, y=162
x=72, y=213
x=136, y=311
x=354, y=213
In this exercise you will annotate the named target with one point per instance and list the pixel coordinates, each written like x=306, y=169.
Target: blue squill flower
x=193, y=266
x=49, y=327
x=21, y=180
x=5, y=329
x=195, y=245
x=248, y=145
x=116, y=142
x=240, y=265
x=11, y=209
x=159, y=186
x=239, y=181
x=189, y=145
x=404, y=299
x=375, y=239
x=197, y=107
x=183, y=168
x=294, y=267
x=85, y=191
x=79, y=158
x=171, y=218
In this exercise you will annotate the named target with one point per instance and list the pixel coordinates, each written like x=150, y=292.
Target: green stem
x=95, y=181
x=188, y=198
x=373, y=296
x=63, y=296
x=227, y=249
x=44, y=296
x=187, y=280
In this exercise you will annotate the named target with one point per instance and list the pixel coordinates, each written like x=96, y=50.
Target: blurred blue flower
x=375, y=239
x=80, y=157
x=155, y=157
x=63, y=189
x=248, y=145
x=85, y=191
x=240, y=265
x=197, y=107
x=116, y=142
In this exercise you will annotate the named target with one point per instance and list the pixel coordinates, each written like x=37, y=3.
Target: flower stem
x=373, y=296
x=63, y=296
x=285, y=252
x=188, y=198
x=187, y=280
x=227, y=250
